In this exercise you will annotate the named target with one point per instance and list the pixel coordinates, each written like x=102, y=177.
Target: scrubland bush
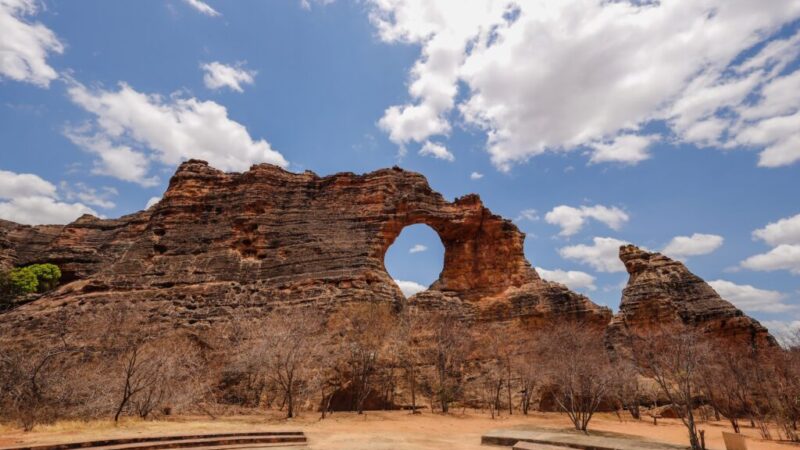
x=368, y=356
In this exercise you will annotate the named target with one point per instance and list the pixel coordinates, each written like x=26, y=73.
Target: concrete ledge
x=532, y=446
x=184, y=441
x=567, y=439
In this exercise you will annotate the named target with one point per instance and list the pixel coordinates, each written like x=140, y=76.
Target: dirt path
x=394, y=430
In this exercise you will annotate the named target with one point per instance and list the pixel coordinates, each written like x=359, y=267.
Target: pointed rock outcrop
x=662, y=292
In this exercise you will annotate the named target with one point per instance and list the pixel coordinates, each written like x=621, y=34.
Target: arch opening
x=415, y=259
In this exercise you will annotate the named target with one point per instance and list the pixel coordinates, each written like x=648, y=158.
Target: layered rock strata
x=267, y=238
x=662, y=292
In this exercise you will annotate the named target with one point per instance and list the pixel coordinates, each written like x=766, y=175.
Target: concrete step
x=208, y=442
x=192, y=441
x=257, y=446
x=521, y=445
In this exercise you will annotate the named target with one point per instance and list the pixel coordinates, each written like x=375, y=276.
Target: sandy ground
x=397, y=430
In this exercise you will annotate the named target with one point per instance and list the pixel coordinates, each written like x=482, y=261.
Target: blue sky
x=672, y=125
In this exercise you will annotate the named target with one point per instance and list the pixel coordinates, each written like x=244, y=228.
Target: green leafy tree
x=25, y=280
x=48, y=276
x=22, y=281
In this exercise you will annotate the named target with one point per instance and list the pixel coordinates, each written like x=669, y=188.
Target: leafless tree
x=286, y=351
x=727, y=381
x=144, y=367
x=496, y=348
x=406, y=344
x=783, y=389
x=35, y=382
x=529, y=368
x=579, y=369
x=447, y=344
x=364, y=329
x=674, y=357
x=627, y=389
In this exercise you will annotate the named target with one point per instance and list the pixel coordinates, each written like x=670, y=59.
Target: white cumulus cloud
x=572, y=219
x=410, y=288
x=475, y=176
x=784, y=231
x=625, y=149
x=218, y=75
x=782, y=257
x=28, y=199
x=530, y=215
x=573, y=279
x=543, y=76
x=417, y=248
x=784, y=236
x=438, y=151
x=131, y=130
x=681, y=247
x=13, y=185
x=602, y=255
x=751, y=299
x=151, y=202
x=786, y=332
x=89, y=195
x=203, y=7
x=24, y=45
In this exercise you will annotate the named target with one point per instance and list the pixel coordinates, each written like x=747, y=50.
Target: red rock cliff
x=269, y=238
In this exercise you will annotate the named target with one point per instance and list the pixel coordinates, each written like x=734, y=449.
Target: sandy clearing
x=384, y=430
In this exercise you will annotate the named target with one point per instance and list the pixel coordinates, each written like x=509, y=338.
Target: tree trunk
x=734, y=424
x=413, y=392
x=508, y=382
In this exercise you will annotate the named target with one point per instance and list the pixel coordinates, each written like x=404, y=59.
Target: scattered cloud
x=571, y=219
x=751, y=299
x=602, y=255
x=681, y=247
x=306, y=4
x=202, y=7
x=787, y=333
x=784, y=236
x=475, y=176
x=24, y=45
x=116, y=160
x=782, y=257
x=417, y=248
x=573, y=279
x=131, y=130
x=784, y=231
x=28, y=199
x=410, y=288
x=438, y=151
x=531, y=215
x=14, y=185
x=537, y=81
x=218, y=76
x=625, y=149
x=89, y=195
x=151, y=202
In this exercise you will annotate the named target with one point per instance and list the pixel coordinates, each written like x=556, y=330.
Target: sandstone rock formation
x=662, y=292
x=268, y=238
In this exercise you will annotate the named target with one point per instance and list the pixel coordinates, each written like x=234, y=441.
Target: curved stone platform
x=542, y=438
x=272, y=440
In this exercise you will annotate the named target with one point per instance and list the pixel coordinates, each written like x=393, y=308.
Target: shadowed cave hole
x=415, y=259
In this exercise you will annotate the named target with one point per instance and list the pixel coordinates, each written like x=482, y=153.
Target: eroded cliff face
x=663, y=292
x=267, y=238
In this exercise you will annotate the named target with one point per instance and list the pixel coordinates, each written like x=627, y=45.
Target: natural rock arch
x=400, y=259
x=483, y=253
x=268, y=238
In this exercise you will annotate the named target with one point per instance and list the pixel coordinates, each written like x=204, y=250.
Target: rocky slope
x=663, y=292
x=267, y=238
